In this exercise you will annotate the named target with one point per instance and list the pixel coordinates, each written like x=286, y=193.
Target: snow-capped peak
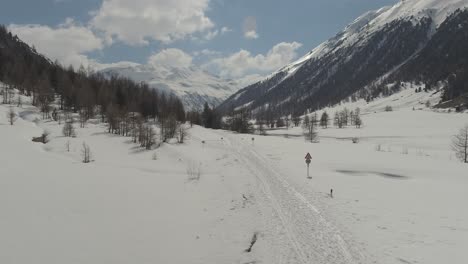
x=438, y=10
x=372, y=21
x=192, y=84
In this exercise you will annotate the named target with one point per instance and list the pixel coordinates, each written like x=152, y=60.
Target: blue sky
x=233, y=38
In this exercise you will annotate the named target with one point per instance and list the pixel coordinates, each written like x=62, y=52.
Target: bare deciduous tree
x=86, y=153
x=182, y=133
x=83, y=118
x=146, y=136
x=261, y=127
x=11, y=115
x=460, y=144
x=67, y=145
x=68, y=129
x=310, y=129
x=168, y=128
x=296, y=119
x=19, y=101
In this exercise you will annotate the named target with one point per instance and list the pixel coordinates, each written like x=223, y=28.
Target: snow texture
x=401, y=204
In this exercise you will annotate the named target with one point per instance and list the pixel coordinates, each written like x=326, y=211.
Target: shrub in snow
x=405, y=150
x=11, y=116
x=182, y=133
x=68, y=129
x=388, y=108
x=194, y=171
x=460, y=144
x=378, y=147
x=44, y=138
x=86, y=153
x=355, y=140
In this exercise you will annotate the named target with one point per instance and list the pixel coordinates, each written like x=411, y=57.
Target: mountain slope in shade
x=192, y=85
x=365, y=58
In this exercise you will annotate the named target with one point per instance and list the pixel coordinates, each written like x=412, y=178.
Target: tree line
x=54, y=88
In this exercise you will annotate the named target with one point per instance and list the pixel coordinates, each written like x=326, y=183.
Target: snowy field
x=403, y=204
x=123, y=208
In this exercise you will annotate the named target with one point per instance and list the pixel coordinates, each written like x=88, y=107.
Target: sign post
x=308, y=159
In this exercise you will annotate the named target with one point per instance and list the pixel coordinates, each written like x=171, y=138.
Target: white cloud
x=68, y=43
x=250, y=28
x=171, y=58
x=225, y=30
x=243, y=62
x=135, y=22
x=251, y=35
x=211, y=35
x=249, y=79
x=206, y=52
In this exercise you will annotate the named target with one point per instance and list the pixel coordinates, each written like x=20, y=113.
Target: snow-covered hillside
x=383, y=46
x=193, y=85
x=399, y=190
x=398, y=196
x=373, y=21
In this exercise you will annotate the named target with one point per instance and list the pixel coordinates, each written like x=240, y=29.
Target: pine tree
x=324, y=120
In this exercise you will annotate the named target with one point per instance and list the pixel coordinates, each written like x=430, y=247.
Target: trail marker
x=308, y=159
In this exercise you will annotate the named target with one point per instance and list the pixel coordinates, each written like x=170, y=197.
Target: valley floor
x=402, y=204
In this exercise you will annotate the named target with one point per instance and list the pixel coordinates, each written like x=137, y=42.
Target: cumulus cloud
x=206, y=53
x=135, y=22
x=68, y=43
x=171, y=58
x=249, y=79
x=250, y=28
x=211, y=35
x=225, y=30
x=243, y=62
x=251, y=35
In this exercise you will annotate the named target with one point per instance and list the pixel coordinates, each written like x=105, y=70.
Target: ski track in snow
x=310, y=237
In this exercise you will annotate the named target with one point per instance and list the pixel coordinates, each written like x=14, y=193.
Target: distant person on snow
x=331, y=193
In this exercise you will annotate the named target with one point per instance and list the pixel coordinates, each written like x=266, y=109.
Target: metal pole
x=308, y=170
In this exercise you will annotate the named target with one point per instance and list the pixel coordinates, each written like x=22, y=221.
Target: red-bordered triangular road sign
x=308, y=156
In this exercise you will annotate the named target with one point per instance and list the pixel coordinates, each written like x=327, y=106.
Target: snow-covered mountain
x=412, y=41
x=192, y=85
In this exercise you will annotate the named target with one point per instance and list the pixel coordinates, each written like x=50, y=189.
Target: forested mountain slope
x=417, y=41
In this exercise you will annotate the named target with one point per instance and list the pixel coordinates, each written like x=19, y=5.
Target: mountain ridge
x=193, y=85
x=407, y=27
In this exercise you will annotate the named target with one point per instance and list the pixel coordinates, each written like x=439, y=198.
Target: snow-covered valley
x=398, y=195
